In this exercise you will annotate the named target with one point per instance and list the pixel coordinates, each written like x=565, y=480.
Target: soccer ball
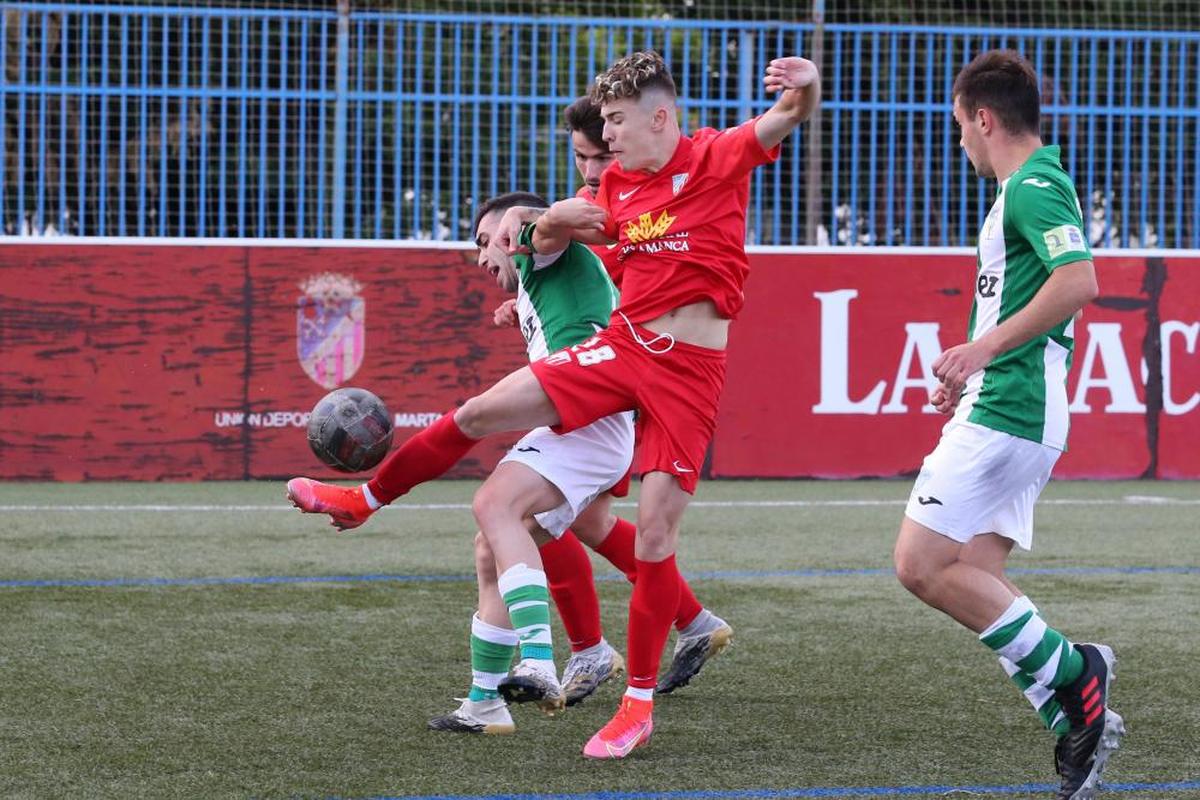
x=350, y=430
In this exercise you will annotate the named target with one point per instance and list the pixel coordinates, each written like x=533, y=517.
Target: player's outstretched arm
x=1068, y=289
x=798, y=84
x=576, y=219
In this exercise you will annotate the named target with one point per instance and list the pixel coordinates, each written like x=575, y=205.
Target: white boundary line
x=1127, y=500
x=429, y=244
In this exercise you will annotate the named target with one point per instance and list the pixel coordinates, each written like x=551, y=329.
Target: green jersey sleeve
x=1044, y=210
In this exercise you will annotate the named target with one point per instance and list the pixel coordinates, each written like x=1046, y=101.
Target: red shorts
x=677, y=393
x=621, y=487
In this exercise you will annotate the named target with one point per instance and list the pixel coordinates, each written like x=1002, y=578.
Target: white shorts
x=582, y=464
x=978, y=480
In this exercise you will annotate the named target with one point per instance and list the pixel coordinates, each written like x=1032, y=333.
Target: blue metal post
x=302, y=131
x=4, y=115
x=43, y=63
x=341, y=87
x=532, y=112
x=124, y=113
x=242, y=115
x=322, y=173
x=264, y=47
x=183, y=125
x=281, y=168
x=22, y=47
x=360, y=102
x=398, y=134
x=378, y=108
x=456, y=125
x=224, y=117
x=143, y=164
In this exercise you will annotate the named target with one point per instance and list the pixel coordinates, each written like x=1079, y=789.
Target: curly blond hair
x=630, y=76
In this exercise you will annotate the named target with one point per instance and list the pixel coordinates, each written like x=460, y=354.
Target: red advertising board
x=200, y=361
x=172, y=362
x=829, y=366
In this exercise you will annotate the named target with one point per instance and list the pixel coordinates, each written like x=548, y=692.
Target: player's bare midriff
x=696, y=323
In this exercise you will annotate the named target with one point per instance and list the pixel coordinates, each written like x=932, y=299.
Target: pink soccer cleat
x=346, y=506
x=625, y=732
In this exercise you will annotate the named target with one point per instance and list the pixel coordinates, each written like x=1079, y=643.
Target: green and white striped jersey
x=1034, y=227
x=563, y=298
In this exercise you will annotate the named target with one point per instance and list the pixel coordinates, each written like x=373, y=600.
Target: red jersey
x=681, y=231
x=607, y=253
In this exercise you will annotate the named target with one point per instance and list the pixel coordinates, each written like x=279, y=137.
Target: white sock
x=639, y=694
x=374, y=504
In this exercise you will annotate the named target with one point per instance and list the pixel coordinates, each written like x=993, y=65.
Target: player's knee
x=472, y=418
x=656, y=540
x=913, y=572
x=484, y=505
x=493, y=507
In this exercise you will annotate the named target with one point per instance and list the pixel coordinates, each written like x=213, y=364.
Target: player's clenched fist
x=945, y=399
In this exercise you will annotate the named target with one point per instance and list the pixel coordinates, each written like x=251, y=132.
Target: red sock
x=689, y=607
x=651, y=609
x=617, y=547
x=422, y=458
x=569, y=575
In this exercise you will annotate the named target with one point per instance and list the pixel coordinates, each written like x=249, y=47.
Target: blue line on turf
x=268, y=580
x=830, y=791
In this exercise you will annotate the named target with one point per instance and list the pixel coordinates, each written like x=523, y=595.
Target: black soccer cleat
x=1096, y=730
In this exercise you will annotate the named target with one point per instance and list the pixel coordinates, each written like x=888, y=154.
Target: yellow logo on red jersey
x=646, y=228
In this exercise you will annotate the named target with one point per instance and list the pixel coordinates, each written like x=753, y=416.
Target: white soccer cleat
x=529, y=682
x=587, y=669
x=476, y=716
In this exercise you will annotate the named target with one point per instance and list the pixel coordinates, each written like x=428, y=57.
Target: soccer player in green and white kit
x=1006, y=388
x=562, y=299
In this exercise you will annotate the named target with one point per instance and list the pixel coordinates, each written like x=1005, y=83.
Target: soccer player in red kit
x=702, y=634
x=676, y=206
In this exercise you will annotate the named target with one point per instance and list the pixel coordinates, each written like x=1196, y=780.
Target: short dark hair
x=632, y=75
x=584, y=116
x=503, y=202
x=1003, y=81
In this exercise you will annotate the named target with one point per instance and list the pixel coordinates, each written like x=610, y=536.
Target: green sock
x=492, y=651
x=1041, y=698
x=1023, y=637
x=528, y=600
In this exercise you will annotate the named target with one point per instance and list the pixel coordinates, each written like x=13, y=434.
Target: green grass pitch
x=319, y=689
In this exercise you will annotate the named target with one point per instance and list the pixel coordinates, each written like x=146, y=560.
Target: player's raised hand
x=792, y=72
x=576, y=214
x=505, y=315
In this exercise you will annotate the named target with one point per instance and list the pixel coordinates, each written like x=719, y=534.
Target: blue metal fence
x=171, y=121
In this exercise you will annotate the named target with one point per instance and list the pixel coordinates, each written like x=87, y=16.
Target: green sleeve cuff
x=526, y=237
